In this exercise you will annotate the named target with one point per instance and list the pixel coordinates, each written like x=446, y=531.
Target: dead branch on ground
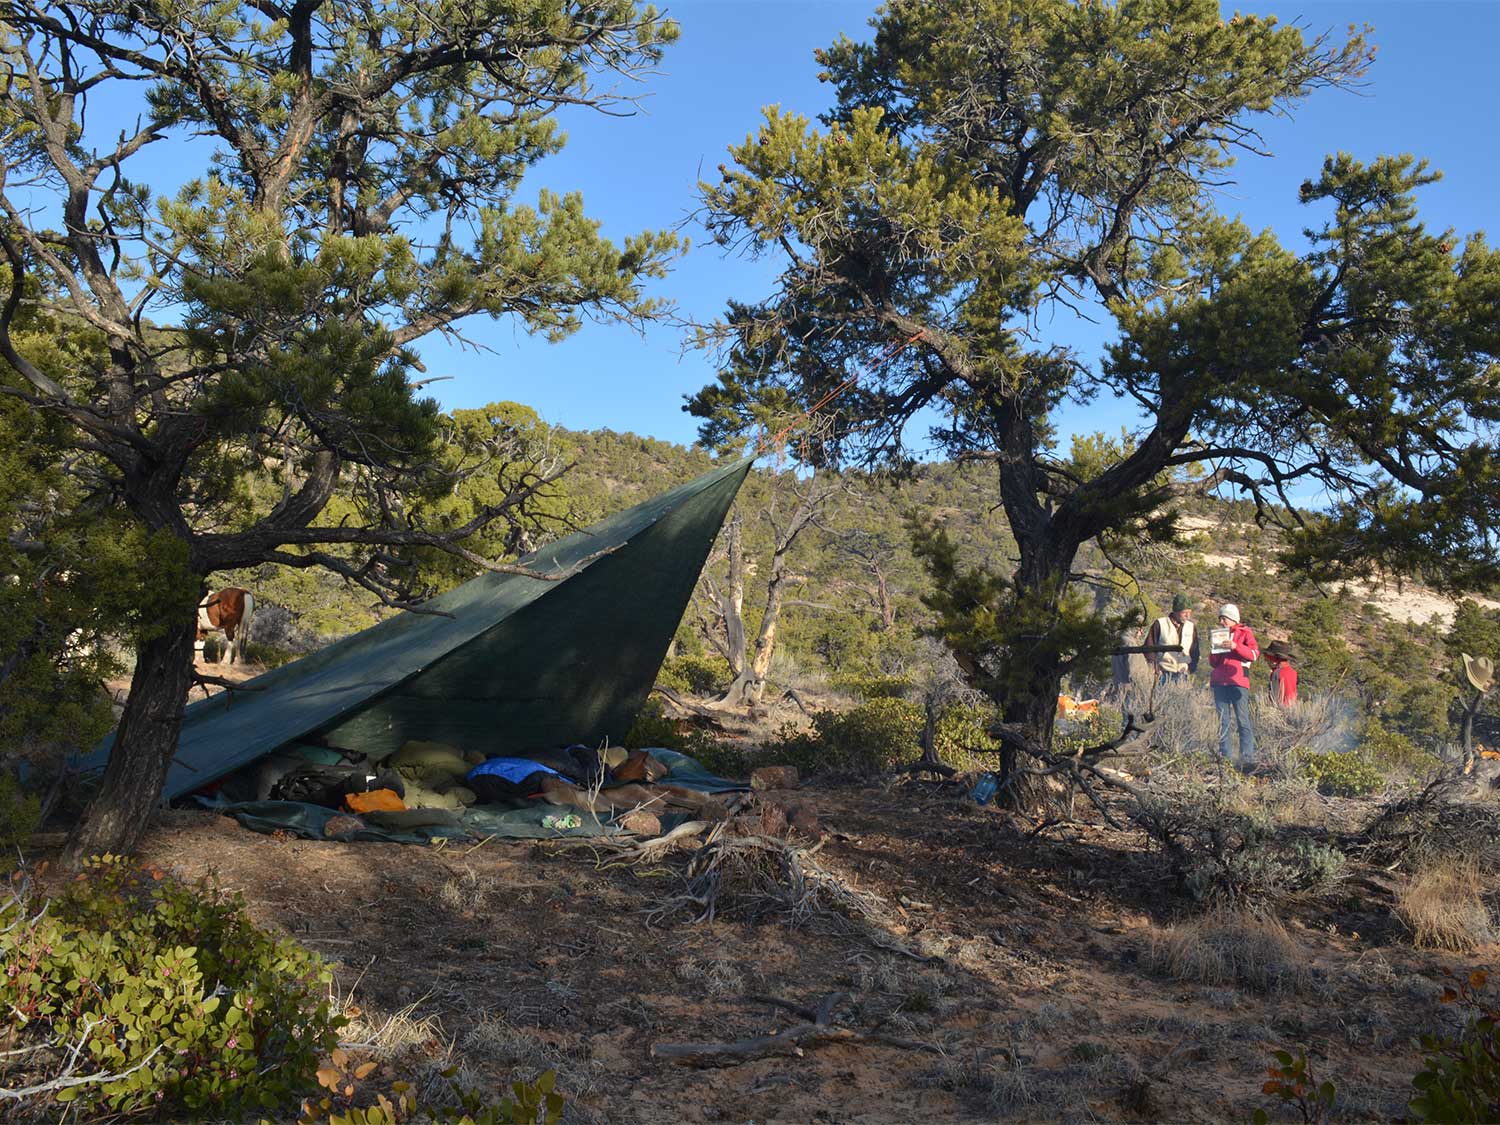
x=795, y=697
x=206, y=681
x=758, y=877
x=817, y=1028
x=67, y=1079
x=687, y=706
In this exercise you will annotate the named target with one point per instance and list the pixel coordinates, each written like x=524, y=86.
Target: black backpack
x=329, y=785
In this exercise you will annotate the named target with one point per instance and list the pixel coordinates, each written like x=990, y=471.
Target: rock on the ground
x=803, y=819
x=774, y=777
x=641, y=823
x=339, y=827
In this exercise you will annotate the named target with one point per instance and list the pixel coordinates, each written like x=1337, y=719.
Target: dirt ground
x=1008, y=976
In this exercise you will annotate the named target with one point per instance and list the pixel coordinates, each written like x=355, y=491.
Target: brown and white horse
x=228, y=612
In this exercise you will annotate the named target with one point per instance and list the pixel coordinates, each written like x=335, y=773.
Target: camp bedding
x=519, y=821
x=313, y=822
x=511, y=769
x=692, y=774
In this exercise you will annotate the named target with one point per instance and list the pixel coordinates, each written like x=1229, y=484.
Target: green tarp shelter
x=504, y=664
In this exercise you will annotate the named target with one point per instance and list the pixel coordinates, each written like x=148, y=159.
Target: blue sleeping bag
x=500, y=780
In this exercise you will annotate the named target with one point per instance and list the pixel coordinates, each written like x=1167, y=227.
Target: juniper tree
x=352, y=174
x=988, y=165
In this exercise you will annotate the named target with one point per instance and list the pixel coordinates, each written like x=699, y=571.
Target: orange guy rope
x=891, y=352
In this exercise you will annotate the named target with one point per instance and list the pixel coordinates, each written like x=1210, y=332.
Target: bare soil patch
x=1023, y=968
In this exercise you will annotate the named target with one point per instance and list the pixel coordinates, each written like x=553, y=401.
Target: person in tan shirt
x=1176, y=628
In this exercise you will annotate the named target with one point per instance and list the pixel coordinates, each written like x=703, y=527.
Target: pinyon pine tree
x=351, y=173
x=991, y=164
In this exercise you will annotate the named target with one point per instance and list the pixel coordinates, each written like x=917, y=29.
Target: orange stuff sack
x=376, y=800
x=1070, y=708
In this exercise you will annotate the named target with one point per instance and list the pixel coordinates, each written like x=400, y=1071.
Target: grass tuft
x=1443, y=906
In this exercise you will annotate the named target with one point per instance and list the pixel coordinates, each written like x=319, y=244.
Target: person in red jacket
x=1283, y=675
x=1232, y=652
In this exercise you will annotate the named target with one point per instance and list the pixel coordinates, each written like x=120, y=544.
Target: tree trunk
x=1033, y=707
x=1035, y=683
x=732, y=606
x=145, y=743
x=887, y=607
x=755, y=675
x=1466, y=731
x=743, y=692
x=750, y=671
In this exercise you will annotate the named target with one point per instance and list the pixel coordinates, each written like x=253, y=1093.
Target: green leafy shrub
x=19, y=815
x=700, y=675
x=1315, y=866
x=1460, y=1075
x=1292, y=1082
x=1091, y=730
x=269, y=655
x=213, y=648
x=536, y=1102
x=170, y=987
x=1349, y=774
x=872, y=738
x=1389, y=749
x=868, y=687
x=963, y=736
x=881, y=734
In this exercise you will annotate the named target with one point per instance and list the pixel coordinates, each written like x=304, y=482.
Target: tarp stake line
x=892, y=350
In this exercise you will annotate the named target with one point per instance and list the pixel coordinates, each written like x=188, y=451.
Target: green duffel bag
x=421, y=797
x=429, y=763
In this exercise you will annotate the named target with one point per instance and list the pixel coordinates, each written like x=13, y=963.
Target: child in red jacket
x=1283, y=675
x=1234, y=649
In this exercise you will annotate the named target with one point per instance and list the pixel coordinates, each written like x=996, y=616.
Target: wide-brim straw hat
x=1480, y=670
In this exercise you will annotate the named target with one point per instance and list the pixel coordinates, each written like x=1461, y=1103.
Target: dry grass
x=1443, y=906
x=1227, y=948
x=525, y=1053
x=1319, y=723
x=1188, y=725
x=466, y=891
x=1284, y=801
x=717, y=975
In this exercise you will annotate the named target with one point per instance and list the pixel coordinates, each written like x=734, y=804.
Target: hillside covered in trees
x=852, y=617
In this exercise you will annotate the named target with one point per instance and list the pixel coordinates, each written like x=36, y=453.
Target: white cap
x=1231, y=611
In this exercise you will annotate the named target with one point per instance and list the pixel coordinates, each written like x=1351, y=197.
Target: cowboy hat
x=1480, y=670
x=1282, y=650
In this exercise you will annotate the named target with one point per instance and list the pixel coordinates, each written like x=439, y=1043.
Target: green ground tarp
x=504, y=664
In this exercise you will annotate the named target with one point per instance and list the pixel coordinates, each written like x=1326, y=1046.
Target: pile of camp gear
x=426, y=790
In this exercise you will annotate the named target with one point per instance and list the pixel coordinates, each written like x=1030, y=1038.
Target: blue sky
x=1434, y=91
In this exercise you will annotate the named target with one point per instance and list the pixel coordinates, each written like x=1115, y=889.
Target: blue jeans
x=1233, y=704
